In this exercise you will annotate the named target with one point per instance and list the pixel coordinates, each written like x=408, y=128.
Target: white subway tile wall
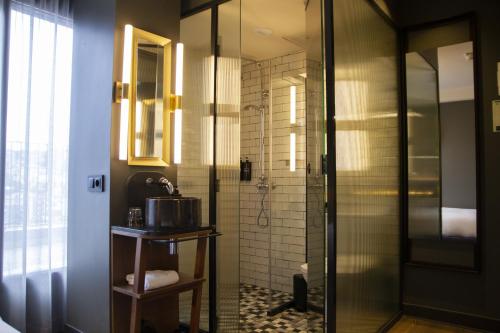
x=271, y=255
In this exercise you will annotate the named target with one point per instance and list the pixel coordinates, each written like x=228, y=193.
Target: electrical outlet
x=95, y=183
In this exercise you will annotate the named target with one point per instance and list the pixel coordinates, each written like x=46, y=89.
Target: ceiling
x=269, y=28
x=285, y=20
x=456, y=73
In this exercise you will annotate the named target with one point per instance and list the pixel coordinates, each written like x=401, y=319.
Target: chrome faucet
x=262, y=184
x=163, y=182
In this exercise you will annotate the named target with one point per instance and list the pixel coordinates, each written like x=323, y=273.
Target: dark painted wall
x=94, y=146
x=191, y=4
x=162, y=18
x=477, y=294
x=88, y=225
x=458, y=154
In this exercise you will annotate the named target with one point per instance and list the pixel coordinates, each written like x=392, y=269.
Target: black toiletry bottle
x=241, y=169
x=247, y=170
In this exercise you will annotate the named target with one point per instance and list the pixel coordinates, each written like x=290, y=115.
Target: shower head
x=260, y=108
x=251, y=107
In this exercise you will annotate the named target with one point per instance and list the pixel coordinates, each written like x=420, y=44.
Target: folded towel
x=156, y=279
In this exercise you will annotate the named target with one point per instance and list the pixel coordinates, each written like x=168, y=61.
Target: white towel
x=156, y=279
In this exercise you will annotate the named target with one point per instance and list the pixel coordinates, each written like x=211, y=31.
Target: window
x=37, y=140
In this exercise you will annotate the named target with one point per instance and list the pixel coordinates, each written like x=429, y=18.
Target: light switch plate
x=95, y=183
x=496, y=116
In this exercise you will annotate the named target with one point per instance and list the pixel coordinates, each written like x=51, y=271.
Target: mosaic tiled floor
x=254, y=304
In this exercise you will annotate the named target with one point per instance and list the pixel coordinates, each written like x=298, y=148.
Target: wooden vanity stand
x=140, y=249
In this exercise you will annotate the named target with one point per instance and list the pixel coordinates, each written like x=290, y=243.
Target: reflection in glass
x=441, y=142
x=424, y=197
x=458, y=140
x=149, y=100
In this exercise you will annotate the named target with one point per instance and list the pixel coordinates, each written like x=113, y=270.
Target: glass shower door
x=287, y=177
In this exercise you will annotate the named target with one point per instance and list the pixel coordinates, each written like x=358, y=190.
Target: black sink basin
x=173, y=212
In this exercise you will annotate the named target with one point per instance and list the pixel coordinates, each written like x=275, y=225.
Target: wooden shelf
x=185, y=283
x=140, y=249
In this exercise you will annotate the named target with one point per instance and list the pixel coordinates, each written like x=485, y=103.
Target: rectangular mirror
x=441, y=120
x=149, y=95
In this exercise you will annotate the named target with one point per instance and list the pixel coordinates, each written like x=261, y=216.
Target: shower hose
x=262, y=214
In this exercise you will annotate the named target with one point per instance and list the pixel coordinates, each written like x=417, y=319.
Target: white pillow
x=5, y=328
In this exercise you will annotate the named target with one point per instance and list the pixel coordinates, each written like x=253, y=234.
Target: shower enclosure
x=282, y=134
x=282, y=208
x=270, y=111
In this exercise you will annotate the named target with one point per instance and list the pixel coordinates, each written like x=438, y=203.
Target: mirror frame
x=443, y=241
x=164, y=160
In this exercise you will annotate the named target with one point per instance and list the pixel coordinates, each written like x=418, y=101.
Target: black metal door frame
x=331, y=223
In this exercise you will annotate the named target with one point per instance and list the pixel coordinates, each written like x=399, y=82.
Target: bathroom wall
x=458, y=154
x=458, y=294
x=161, y=18
x=287, y=208
x=94, y=147
x=88, y=213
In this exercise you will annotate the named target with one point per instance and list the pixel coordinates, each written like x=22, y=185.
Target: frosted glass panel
x=367, y=152
x=197, y=137
x=228, y=166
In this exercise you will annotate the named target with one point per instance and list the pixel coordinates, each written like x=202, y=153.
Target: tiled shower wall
x=270, y=255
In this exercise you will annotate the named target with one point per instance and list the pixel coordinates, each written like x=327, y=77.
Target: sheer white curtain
x=36, y=165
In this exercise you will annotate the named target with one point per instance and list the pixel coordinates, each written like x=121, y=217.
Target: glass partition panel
x=367, y=154
x=315, y=120
x=197, y=139
x=228, y=167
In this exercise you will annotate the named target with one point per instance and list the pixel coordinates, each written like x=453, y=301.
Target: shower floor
x=254, y=303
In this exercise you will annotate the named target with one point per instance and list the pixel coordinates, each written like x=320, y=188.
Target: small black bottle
x=241, y=169
x=247, y=170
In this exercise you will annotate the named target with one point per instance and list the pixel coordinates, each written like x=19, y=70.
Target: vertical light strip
x=293, y=105
x=126, y=76
x=178, y=136
x=292, y=152
x=179, y=64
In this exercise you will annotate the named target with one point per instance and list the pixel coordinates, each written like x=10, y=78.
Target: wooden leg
x=195, y=310
x=135, y=318
x=139, y=275
x=139, y=266
x=199, y=266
